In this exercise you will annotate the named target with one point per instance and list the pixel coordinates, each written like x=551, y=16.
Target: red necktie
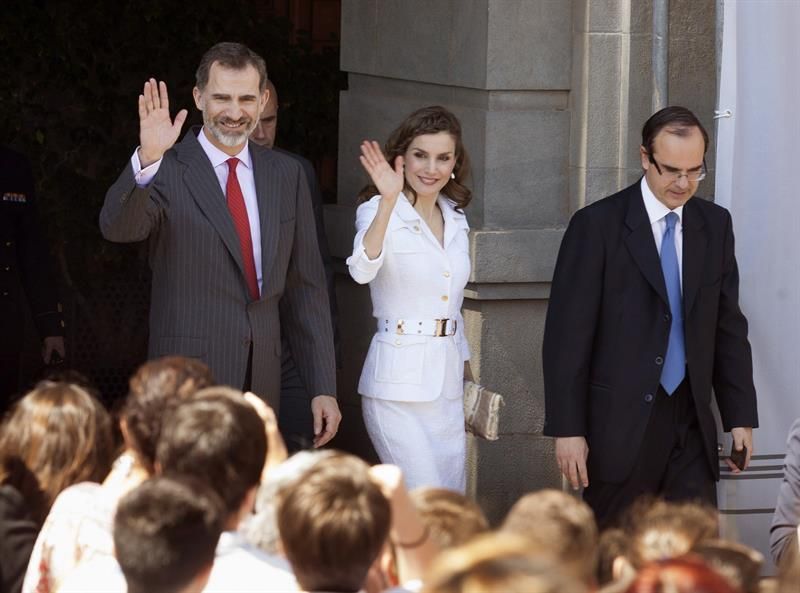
x=233, y=193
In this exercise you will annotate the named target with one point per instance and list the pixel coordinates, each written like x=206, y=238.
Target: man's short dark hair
x=234, y=56
x=165, y=533
x=217, y=437
x=333, y=521
x=674, y=120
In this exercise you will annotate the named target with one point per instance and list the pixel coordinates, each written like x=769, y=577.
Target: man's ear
x=645, y=157
x=198, y=101
x=264, y=101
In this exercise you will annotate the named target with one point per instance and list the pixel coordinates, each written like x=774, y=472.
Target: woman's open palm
x=388, y=181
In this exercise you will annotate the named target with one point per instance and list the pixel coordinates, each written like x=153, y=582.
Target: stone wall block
x=468, y=44
x=526, y=165
x=502, y=471
x=413, y=42
x=511, y=361
x=641, y=16
x=602, y=182
x=530, y=44
x=608, y=16
x=514, y=256
x=603, y=117
x=359, y=36
x=640, y=99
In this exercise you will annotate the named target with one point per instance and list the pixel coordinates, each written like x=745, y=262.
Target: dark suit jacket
x=18, y=533
x=322, y=240
x=608, y=325
x=200, y=305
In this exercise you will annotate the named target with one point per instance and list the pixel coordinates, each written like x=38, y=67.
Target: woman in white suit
x=411, y=246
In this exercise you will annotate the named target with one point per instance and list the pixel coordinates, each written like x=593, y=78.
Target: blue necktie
x=675, y=361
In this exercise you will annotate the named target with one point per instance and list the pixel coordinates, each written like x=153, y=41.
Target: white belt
x=418, y=327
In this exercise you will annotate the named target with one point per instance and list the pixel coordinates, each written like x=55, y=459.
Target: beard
x=225, y=136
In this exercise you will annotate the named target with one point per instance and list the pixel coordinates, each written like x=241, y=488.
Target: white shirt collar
x=655, y=209
x=217, y=157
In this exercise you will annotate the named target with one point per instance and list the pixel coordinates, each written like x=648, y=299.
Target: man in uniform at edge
x=637, y=335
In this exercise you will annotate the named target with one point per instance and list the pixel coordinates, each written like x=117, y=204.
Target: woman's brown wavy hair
x=428, y=120
x=56, y=436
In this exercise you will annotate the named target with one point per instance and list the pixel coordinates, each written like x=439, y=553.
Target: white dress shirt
x=244, y=172
x=657, y=212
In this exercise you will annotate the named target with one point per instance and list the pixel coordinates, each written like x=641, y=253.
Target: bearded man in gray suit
x=233, y=246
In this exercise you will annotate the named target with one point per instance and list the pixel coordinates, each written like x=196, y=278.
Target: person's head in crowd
x=57, y=435
x=612, y=557
x=686, y=574
x=429, y=130
x=659, y=530
x=267, y=126
x=219, y=438
x=452, y=519
x=558, y=524
x=334, y=521
x=261, y=529
x=739, y=564
x=165, y=535
x=155, y=389
x=231, y=79
x=497, y=562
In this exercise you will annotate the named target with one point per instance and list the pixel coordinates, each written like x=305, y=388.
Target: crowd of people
x=195, y=491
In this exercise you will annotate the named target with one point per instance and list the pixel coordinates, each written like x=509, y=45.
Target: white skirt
x=425, y=439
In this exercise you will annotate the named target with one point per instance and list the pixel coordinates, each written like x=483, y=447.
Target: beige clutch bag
x=482, y=411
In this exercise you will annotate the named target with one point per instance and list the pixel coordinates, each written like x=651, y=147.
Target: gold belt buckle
x=441, y=328
x=401, y=330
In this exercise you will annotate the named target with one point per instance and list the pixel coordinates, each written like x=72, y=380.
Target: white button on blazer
x=414, y=277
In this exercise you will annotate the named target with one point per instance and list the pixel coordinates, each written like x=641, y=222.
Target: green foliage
x=72, y=72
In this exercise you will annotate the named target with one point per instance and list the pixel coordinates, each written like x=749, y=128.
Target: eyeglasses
x=691, y=176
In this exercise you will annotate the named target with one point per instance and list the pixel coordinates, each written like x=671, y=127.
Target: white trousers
x=425, y=439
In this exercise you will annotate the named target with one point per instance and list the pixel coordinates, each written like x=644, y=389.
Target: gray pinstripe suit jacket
x=199, y=302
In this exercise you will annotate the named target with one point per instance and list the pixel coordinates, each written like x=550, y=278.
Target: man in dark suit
x=25, y=274
x=294, y=418
x=232, y=243
x=643, y=321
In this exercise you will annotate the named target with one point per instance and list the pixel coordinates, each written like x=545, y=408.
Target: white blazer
x=414, y=277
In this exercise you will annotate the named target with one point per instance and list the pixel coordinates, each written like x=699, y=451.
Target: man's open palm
x=157, y=131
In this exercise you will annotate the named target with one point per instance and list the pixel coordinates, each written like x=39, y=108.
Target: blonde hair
x=452, y=518
x=556, y=523
x=497, y=562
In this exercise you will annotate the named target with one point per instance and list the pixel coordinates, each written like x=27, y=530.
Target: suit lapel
x=694, y=251
x=203, y=184
x=641, y=244
x=269, y=197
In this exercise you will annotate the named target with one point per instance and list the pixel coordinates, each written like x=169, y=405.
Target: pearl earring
x=452, y=175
